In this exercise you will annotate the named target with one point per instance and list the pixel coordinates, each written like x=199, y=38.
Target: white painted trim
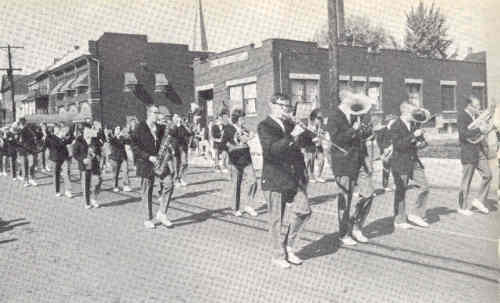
x=376, y=79
x=413, y=81
x=241, y=81
x=359, y=78
x=204, y=87
x=478, y=84
x=344, y=77
x=304, y=76
x=229, y=59
x=447, y=82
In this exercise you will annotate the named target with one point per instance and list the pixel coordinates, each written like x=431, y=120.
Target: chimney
x=93, y=47
x=469, y=50
x=76, y=47
x=56, y=59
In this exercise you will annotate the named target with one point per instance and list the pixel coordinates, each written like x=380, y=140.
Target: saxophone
x=165, y=154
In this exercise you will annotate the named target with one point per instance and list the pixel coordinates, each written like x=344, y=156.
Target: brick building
x=114, y=78
x=21, y=92
x=247, y=77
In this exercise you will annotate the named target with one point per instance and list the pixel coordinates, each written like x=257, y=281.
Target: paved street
x=53, y=250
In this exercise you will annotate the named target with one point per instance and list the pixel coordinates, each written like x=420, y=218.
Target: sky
x=50, y=28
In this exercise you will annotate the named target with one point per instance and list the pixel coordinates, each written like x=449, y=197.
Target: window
x=375, y=92
x=414, y=93
x=304, y=91
x=448, y=98
x=343, y=84
x=244, y=97
x=358, y=87
x=478, y=92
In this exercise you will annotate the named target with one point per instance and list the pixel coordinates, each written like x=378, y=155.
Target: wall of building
x=301, y=57
x=121, y=53
x=260, y=64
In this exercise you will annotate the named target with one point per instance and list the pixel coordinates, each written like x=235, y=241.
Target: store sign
x=229, y=59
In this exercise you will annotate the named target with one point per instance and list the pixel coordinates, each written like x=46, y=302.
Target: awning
x=50, y=118
x=57, y=88
x=81, y=81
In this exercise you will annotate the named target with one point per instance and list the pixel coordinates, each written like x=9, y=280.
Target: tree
x=359, y=31
x=426, y=32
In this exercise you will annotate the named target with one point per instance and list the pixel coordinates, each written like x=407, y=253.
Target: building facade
x=247, y=77
x=21, y=84
x=113, y=78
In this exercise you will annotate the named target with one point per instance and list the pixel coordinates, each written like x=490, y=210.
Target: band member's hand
x=356, y=125
x=297, y=130
x=418, y=133
x=153, y=159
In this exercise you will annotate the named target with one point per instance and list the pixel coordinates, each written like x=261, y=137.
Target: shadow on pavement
x=321, y=199
x=433, y=214
x=8, y=241
x=200, y=217
x=195, y=194
x=378, y=228
x=11, y=224
x=122, y=202
x=207, y=181
x=326, y=245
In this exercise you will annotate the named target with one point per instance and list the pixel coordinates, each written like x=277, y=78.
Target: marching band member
x=280, y=181
x=384, y=144
x=28, y=151
x=117, y=157
x=216, y=136
x=473, y=157
x=3, y=151
x=348, y=157
x=87, y=151
x=313, y=150
x=406, y=166
x=56, y=143
x=11, y=141
x=235, y=138
x=146, y=145
x=181, y=134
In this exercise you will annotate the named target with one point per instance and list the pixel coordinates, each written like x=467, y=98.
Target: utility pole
x=333, y=51
x=10, y=75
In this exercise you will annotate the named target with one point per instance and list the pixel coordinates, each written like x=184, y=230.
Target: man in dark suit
x=279, y=181
x=406, y=166
x=474, y=156
x=146, y=145
x=346, y=132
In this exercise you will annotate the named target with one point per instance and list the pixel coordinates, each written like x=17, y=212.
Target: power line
x=10, y=74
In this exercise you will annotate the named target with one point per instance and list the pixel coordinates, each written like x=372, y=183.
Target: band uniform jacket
x=144, y=146
x=27, y=141
x=404, y=153
x=81, y=152
x=118, y=152
x=342, y=134
x=277, y=172
x=10, y=144
x=469, y=153
x=58, y=151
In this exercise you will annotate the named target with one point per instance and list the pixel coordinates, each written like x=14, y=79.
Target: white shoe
x=182, y=182
x=237, y=213
x=225, y=171
x=116, y=189
x=162, y=218
x=281, y=263
x=127, y=188
x=33, y=182
x=403, y=225
x=465, y=212
x=47, y=169
x=388, y=189
x=347, y=240
x=68, y=194
x=58, y=194
x=26, y=184
x=419, y=221
x=292, y=257
x=20, y=178
x=358, y=236
x=480, y=206
x=312, y=180
x=94, y=203
x=251, y=211
x=149, y=224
